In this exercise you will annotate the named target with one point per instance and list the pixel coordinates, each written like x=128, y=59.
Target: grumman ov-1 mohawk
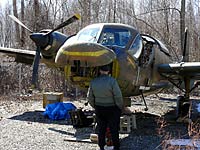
x=140, y=63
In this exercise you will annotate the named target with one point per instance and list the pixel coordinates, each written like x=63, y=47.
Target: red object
x=108, y=137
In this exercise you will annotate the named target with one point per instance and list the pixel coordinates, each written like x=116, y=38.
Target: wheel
x=182, y=107
x=179, y=103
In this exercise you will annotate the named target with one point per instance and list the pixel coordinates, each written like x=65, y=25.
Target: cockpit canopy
x=89, y=34
x=115, y=37
x=118, y=36
x=122, y=36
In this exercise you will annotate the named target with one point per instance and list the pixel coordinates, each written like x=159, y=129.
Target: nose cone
x=40, y=39
x=89, y=54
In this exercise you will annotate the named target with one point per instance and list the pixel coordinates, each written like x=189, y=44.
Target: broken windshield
x=115, y=37
x=88, y=35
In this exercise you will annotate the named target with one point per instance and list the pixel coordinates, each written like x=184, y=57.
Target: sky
x=3, y=2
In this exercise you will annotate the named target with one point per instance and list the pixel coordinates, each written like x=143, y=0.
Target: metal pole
x=20, y=78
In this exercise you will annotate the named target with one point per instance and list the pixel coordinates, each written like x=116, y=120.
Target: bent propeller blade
x=67, y=22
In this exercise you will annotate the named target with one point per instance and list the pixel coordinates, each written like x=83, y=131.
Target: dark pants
x=108, y=117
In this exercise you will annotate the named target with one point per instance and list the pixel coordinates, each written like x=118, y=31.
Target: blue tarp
x=59, y=111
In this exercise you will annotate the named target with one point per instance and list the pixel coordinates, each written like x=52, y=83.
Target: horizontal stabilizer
x=190, y=69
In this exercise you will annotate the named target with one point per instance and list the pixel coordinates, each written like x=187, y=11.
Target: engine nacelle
x=55, y=41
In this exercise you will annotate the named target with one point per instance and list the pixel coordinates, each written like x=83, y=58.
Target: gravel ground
x=23, y=126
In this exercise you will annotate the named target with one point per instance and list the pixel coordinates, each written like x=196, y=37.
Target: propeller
x=67, y=22
x=41, y=40
x=20, y=23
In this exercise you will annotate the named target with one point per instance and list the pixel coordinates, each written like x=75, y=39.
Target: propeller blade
x=20, y=23
x=67, y=22
x=41, y=40
x=34, y=81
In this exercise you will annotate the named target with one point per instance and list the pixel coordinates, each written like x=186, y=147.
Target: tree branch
x=161, y=9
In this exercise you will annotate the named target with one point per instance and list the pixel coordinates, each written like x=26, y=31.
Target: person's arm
x=117, y=94
x=90, y=96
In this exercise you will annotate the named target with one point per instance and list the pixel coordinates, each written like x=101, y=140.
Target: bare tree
x=22, y=29
x=37, y=14
x=182, y=23
x=17, y=33
x=86, y=12
x=96, y=6
x=163, y=19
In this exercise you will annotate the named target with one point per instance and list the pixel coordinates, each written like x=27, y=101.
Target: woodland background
x=164, y=19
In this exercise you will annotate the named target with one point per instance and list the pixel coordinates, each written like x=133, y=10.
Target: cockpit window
x=115, y=37
x=88, y=35
x=136, y=47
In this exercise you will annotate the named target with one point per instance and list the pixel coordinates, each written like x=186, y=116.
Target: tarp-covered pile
x=59, y=111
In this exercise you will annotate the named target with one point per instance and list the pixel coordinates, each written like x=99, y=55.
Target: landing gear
x=183, y=102
x=183, y=107
x=146, y=108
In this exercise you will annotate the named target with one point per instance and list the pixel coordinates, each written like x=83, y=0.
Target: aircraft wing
x=184, y=69
x=22, y=56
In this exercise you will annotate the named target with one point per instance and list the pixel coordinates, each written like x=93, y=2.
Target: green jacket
x=104, y=91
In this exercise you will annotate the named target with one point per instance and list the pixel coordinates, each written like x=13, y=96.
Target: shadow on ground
x=37, y=116
x=152, y=130
x=80, y=133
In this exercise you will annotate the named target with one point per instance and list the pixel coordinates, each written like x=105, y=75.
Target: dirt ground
x=23, y=125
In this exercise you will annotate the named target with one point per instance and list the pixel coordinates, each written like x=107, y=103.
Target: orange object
x=108, y=137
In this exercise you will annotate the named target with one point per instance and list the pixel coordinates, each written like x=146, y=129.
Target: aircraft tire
x=179, y=103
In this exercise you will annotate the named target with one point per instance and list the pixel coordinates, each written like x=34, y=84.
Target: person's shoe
x=109, y=148
x=116, y=148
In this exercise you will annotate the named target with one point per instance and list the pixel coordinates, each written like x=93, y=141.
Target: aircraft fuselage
x=133, y=57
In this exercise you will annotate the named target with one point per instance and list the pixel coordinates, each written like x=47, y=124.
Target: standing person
x=105, y=96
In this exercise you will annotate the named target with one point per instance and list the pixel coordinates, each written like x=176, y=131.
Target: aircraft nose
x=40, y=39
x=88, y=54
